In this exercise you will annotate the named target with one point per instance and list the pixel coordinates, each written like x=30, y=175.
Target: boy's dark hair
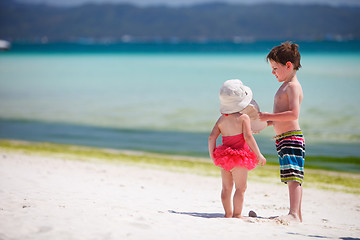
x=286, y=52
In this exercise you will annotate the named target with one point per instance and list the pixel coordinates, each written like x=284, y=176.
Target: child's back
x=231, y=124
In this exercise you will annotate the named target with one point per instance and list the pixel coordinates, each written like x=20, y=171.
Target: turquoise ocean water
x=164, y=97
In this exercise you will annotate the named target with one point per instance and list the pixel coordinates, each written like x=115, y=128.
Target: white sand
x=50, y=198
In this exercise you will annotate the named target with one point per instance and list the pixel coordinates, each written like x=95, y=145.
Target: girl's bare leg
x=227, y=186
x=240, y=178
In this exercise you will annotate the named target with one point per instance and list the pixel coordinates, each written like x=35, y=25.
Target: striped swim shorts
x=291, y=150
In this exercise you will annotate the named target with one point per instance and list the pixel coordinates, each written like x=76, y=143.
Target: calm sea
x=164, y=97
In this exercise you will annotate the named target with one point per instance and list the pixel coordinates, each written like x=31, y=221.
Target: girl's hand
x=261, y=159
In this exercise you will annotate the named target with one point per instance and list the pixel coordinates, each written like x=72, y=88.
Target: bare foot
x=287, y=219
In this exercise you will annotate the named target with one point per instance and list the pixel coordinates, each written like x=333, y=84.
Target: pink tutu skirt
x=239, y=156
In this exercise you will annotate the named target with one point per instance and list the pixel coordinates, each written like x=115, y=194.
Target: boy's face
x=280, y=71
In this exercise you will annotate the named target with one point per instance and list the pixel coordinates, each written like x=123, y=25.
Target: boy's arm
x=212, y=139
x=289, y=115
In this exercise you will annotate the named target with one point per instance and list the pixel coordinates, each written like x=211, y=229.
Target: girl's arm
x=250, y=140
x=212, y=140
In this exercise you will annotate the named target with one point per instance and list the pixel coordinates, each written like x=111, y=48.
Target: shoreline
x=49, y=194
x=182, y=142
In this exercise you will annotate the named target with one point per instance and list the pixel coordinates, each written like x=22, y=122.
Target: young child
x=290, y=144
x=234, y=156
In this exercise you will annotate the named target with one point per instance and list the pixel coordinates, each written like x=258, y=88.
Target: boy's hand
x=264, y=116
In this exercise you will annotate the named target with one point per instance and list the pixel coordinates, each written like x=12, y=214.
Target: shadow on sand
x=201, y=215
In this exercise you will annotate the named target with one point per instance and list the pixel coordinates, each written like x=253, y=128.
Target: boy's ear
x=289, y=65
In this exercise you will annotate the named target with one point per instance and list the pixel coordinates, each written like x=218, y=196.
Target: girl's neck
x=230, y=114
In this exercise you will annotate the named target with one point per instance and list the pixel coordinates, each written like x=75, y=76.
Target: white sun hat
x=234, y=96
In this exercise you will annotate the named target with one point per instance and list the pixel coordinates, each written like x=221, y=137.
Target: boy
x=290, y=144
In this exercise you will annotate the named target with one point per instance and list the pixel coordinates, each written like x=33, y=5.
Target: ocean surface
x=163, y=97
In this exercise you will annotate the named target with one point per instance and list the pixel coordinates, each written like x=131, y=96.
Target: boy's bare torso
x=281, y=104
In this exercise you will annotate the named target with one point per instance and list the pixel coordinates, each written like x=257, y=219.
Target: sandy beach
x=57, y=198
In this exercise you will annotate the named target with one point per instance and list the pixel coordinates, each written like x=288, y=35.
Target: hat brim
x=257, y=125
x=252, y=111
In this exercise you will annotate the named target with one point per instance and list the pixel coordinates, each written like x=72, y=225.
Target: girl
x=234, y=157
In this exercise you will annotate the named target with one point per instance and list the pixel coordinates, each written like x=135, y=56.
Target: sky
x=190, y=2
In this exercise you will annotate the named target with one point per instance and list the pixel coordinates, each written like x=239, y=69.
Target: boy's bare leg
x=227, y=186
x=300, y=215
x=240, y=178
x=295, y=195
